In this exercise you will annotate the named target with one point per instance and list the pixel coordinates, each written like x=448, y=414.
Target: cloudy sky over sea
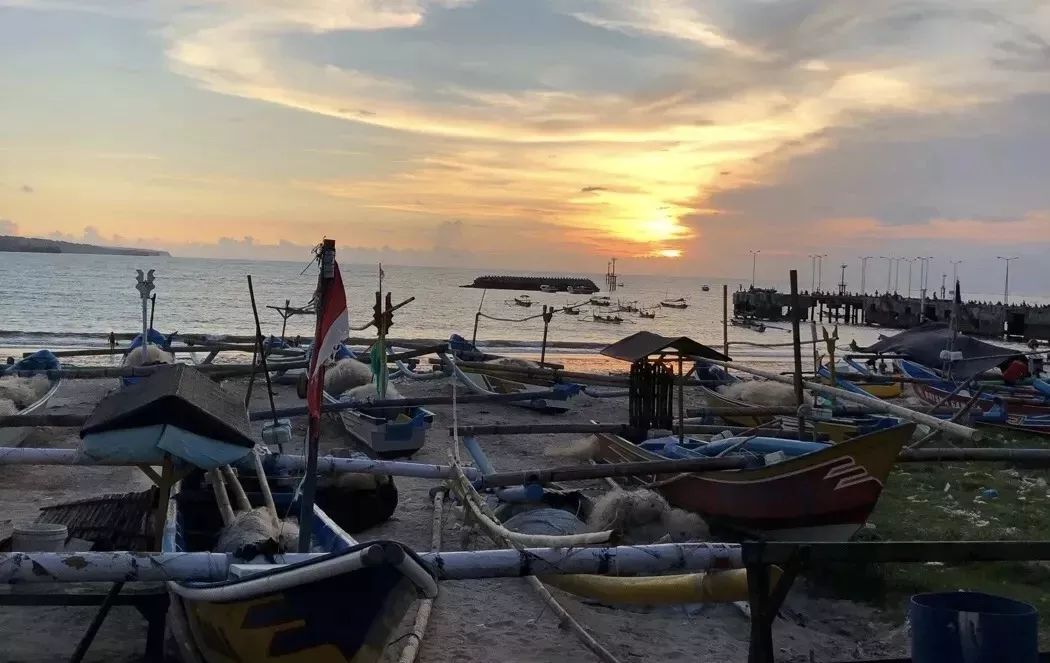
x=676, y=135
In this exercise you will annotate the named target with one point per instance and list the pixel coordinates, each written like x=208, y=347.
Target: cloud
x=8, y=227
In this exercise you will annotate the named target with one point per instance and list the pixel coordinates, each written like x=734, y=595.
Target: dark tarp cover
x=923, y=345
x=641, y=345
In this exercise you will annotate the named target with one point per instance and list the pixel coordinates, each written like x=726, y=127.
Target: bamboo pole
x=797, y=341
x=222, y=499
x=190, y=348
x=876, y=404
x=419, y=626
x=725, y=319
x=99, y=372
x=587, y=472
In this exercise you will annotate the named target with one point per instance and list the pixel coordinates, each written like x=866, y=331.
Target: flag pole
x=313, y=433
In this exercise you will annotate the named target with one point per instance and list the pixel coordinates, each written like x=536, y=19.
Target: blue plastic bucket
x=972, y=627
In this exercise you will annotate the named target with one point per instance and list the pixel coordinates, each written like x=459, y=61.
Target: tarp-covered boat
x=924, y=344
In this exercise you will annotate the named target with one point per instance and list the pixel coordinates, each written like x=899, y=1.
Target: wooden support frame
x=764, y=601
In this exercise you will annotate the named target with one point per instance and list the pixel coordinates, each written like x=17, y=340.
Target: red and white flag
x=333, y=326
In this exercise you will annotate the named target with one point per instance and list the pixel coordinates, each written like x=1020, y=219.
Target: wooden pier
x=1018, y=320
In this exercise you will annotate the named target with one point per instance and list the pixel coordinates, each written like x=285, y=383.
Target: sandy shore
x=477, y=621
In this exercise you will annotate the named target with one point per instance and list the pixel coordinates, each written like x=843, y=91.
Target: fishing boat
x=488, y=384
x=386, y=432
x=749, y=323
x=523, y=300
x=705, y=288
x=580, y=290
x=629, y=307
x=462, y=349
x=289, y=607
x=675, y=303
x=795, y=490
x=932, y=389
x=13, y=437
x=872, y=384
x=548, y=288
x=608, y=319
x=715, y=399
x=164, y=356
x=571, y=310
x=647, y=314
x=600, y=301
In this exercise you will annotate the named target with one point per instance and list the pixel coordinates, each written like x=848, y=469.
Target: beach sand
x=472, y=621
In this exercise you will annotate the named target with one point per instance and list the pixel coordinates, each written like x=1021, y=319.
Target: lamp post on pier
x=1006, y=285
x=889, y=272
x=864, y=274
x=754, y=266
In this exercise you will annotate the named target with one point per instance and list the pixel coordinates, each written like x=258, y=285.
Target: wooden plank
x=586, y=472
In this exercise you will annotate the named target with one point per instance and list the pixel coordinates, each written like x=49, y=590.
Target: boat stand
x=152, y=605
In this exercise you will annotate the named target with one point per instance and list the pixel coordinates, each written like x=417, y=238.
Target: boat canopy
x=644, y=343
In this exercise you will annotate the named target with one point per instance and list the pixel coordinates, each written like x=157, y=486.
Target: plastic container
x=39, y=537
x=972, y=627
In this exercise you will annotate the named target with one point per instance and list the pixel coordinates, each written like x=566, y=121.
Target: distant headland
x=11, y=244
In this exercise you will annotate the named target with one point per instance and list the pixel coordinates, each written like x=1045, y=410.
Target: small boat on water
x=629, y=307
x=600, y=301
x=647, y=314
x=675, y=303
x=522, y=300
x=793, y=490
x=13, y=437
x=571, y=310
x=579, y=290
x=608, y=319
x=705, y=288
x=548, y=288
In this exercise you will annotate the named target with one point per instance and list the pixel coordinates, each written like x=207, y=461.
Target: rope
x=460, y=481
x=419, y=627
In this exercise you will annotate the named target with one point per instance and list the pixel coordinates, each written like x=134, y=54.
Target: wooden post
x=725, y=319
x=797, y=341
x=681, y=401
x=306, y=505
x=262, y=351
x=761, y=647
x=284, y=324
x=816, y=354
x=547, y=317
x=477, y=317
x=167, y=480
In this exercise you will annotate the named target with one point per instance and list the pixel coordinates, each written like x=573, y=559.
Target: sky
x=677, y=136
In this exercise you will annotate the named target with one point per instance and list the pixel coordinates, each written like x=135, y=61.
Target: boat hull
x=933, y=392
x=387, y=438
x=340, y=607
x=824, y=495
x=715, y=399
x=341, y=619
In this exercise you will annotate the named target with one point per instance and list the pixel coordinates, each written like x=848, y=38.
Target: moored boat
x=289, y=607
x=932, y=389
x=13, y=437
x=705, y=288
x=523, y=300
x=600, y=301
x=809, y=492
x=715, y=399
x=872, y=384
x=678, y=303
x=608, y=319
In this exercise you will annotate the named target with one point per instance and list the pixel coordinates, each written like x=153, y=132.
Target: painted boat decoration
x=42, y=359
x=873, y=387
x=816, y=493
x=934, y=388
x=280, y=609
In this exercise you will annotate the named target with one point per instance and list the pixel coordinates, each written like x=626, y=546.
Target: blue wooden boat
x=337, y=607
x=42, y=359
